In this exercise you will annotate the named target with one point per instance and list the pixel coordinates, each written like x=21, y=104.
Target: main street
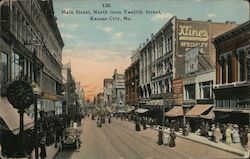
x=119, y=140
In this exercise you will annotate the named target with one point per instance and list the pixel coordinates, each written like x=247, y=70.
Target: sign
x=193, y=34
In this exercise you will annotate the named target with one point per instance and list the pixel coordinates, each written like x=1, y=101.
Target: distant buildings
x=132, y=80
x=118, y=91
x=107, y=91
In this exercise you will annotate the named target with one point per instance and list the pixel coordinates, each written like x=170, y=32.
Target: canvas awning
x=175, y=111
x=198, y=109
x=12, y=118
x=209, y=115
x=156, y=102
x=131, y=108
x=140, y=110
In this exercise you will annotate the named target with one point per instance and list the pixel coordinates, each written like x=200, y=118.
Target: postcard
x=124, y=79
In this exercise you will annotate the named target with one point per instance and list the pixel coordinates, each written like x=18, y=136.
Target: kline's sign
x=193, y=34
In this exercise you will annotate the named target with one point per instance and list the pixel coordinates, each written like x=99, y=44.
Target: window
x=4, y=65
x=206, y=90
x=21, y=68
x=229, y=68
x=241, y=65
x=225, y=62
x=190, y=91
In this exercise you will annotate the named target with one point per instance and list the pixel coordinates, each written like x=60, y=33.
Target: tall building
x=232, y=94
x=162, y=63
x=118, y=91
x=30, y=38
x=70, y=104
x=107, y=92
x=132, y=80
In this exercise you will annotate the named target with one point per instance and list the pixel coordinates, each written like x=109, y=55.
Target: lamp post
x=35, y=102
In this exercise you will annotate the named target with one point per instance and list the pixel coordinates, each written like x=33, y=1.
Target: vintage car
x=71, y=138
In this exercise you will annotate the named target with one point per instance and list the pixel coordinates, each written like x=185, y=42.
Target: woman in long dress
x=228, y=134
x=172, y=138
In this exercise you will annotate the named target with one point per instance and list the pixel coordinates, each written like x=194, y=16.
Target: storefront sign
x=46, y=95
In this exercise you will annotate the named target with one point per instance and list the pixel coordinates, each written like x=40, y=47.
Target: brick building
x=232, y=93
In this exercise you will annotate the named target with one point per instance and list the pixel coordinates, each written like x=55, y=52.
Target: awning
x=198, y=109
x=209, y=115
x=12, y=118
x=223, y=110
x=131, y=108
x=140, y=110
x=155, y=102
x=175, y=111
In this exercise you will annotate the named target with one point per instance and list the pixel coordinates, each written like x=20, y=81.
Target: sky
x=96, y=47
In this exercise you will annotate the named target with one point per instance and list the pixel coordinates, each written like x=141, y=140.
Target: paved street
x=120, y=140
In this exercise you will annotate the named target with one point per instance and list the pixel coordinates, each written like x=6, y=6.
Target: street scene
x=124, y=79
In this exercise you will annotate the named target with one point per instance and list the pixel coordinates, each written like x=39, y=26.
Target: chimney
x=189, y=19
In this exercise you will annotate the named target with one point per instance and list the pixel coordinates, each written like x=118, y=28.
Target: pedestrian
x=217, y=134
x=43, y=153
x=166, y=137
x=235, y=134
x=243, y=136
x=137, y=126
x=229, y=134
x=109, y=119
x=172, y=138
x=160, y=136
x=247, y=155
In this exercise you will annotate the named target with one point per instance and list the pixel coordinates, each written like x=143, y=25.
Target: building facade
x=118, y=91
x=107, y=92
x=232, y=96
x=132, y=80
x=70, y=104
x=162, y=57
x=31, y=50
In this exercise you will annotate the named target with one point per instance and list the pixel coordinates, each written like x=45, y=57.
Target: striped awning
x=175, y=111
x=198, y=110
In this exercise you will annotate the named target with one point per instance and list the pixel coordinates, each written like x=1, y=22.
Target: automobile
x=71, y=138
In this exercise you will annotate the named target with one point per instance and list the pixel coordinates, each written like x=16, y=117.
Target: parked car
x=71, y=138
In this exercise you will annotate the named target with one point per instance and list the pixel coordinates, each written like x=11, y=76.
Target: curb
x=55, y=154
x=224, y=149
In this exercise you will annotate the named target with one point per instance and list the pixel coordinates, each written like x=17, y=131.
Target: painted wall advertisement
x=192, y=34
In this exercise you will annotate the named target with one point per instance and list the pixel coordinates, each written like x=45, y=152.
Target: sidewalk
x=233, y=148
x=50, y=150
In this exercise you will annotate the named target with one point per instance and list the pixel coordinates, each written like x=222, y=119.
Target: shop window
x=17, y=66
x=190, y=91
x=206, y=90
